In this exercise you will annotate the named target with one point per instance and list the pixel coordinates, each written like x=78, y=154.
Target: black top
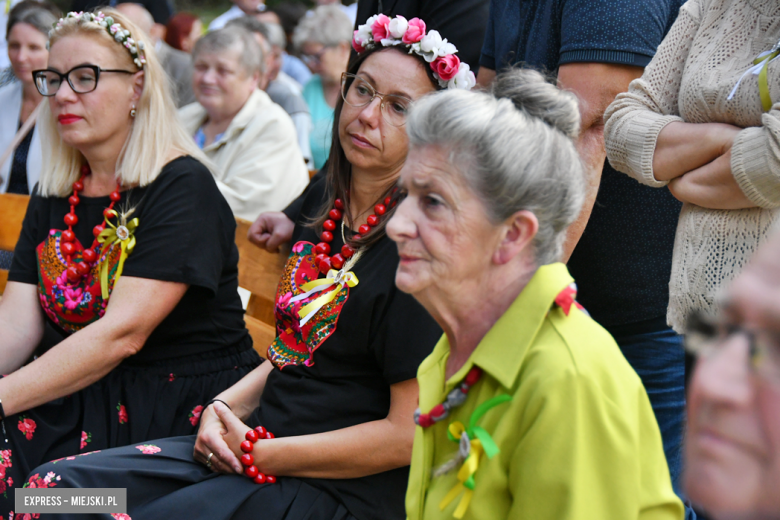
x=623, y=261
x=186, y=234
x=382, y=336
x=17, y=183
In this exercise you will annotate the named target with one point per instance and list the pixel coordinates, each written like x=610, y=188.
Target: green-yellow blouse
x=578, y=440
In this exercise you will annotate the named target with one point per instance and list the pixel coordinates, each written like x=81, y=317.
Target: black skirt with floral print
x=132, y=404
x=166, y=483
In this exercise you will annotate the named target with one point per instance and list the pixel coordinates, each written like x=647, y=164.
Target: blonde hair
x=155, y=132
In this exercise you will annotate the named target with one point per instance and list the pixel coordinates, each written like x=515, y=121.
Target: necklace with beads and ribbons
x=124, y=234
x=334, y=282
x=473, y=442
x=760, y=68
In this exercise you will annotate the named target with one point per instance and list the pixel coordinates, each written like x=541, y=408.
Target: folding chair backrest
x=12, y=210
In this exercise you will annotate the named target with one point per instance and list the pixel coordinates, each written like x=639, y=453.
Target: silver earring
x=132, y=111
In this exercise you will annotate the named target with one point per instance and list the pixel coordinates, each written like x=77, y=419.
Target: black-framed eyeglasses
x=705, y=337
x=82, y=79
x=358, y=92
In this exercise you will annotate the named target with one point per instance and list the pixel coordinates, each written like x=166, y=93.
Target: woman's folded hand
x=214, y=436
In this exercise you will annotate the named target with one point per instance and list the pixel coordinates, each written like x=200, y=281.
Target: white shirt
x=231, y=14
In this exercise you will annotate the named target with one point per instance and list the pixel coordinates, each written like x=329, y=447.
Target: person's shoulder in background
x=220, y=21
x=296, y=69
x=178, y=66
x=288, y=96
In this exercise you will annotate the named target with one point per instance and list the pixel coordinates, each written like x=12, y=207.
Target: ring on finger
x=208, y=460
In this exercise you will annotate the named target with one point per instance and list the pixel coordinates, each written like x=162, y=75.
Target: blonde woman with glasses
x=128, y=251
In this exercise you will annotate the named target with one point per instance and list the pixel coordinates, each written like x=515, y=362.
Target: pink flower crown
x=383, y=30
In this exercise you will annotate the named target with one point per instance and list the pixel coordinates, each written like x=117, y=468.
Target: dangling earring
x=132, y=112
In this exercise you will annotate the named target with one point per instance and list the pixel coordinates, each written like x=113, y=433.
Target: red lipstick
x=68, y=119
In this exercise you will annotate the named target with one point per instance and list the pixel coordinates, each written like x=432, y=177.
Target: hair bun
x=533, y=95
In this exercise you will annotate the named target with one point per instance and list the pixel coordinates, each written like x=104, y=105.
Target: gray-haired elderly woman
x=324, y=41
x=249, y=137
x=527, y=407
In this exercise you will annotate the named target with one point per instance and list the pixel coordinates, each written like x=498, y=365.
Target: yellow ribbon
x=124, y=234
x=339, y=279
x=465, y=474
x=474, y=441
x=763, y=81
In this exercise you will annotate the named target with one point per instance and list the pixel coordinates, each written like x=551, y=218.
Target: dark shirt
x=622, y=263
x=546, y=33
x=186, y=234
x=462, y=22
x=382, y=336
x=17, y=183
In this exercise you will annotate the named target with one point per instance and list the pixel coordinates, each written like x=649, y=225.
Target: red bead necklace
x=89, y=257
x=323, y=260
x=455, y=398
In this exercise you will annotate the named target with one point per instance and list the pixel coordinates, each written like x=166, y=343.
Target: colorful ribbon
x=477, y=440
x=338, y=278
x=759, y=68
x=124, y=234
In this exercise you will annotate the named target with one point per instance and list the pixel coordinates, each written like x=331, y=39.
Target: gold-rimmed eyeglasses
x=358, y=92
x=706, y=337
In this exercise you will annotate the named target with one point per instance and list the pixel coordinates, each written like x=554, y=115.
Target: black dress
x=185, y=234
x=379, y=338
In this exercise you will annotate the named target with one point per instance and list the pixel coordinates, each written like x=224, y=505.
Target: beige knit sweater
x=710, y=46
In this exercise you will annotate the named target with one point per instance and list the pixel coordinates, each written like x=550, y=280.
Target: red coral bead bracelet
x=248, y=460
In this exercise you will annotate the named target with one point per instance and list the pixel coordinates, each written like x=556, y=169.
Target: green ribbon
x=480, y=441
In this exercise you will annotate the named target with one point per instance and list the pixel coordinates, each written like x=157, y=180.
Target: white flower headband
x=121, y=35
x=447, y=68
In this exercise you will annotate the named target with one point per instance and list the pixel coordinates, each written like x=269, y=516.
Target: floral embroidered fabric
x=72, y=306
x=295, y=345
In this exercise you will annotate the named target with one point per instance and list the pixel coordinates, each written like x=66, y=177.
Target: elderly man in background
x=281, y=88
x=250, y=139
x=287, y=15
x=177, y=64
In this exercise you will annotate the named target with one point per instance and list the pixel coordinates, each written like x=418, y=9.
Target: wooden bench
x=12, y=211
x=258, y=272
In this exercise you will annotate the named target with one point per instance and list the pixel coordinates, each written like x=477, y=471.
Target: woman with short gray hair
x=527, y=408
x=251, y=139
x=323, y=39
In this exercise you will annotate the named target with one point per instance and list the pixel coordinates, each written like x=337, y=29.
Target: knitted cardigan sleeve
x=755, y=160
x=634, y=120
